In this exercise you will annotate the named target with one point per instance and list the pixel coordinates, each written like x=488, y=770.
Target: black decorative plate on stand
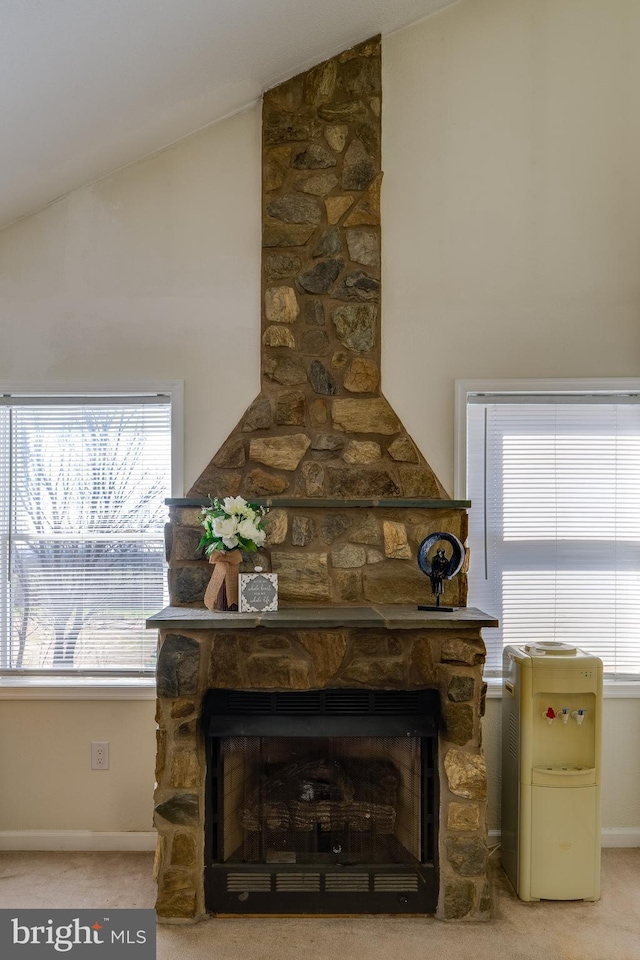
x=441, y=566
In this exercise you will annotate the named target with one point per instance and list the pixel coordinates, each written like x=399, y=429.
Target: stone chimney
x=351, y=495
x=320, y=426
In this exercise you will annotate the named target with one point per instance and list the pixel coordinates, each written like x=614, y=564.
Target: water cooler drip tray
x=563, y=775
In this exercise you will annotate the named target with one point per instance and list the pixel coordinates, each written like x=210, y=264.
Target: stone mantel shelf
x=390, y=617
x=306, y=504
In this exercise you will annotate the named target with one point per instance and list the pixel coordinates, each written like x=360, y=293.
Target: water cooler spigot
x=549, y=715
x=579, y=715
x=565, y=713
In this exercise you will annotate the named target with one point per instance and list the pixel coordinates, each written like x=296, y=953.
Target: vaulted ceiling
x=88, y=86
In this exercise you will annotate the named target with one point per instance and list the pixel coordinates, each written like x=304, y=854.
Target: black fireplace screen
x=321, y=800
x=294, y=819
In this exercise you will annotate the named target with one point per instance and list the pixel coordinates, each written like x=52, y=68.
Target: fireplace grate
x=320, y=891
x=238, y=883
x=346, y=883
x=395, y=883
x=297, y=883
x=334, y=702
x=248, y=883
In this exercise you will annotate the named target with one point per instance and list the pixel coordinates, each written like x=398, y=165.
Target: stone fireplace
x=351, y=498
x=333, y=649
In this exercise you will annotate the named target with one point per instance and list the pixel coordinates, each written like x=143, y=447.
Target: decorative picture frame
x=258, y=592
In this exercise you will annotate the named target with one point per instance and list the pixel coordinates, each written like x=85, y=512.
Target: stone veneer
x=328, y=552
x=320, y=426
x=379, y=647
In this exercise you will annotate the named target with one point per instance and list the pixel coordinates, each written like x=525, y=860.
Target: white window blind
x=82, y=489
x=555, y=523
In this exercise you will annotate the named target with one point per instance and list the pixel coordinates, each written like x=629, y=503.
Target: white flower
x=235, y=505
x=240, y=520
x=225, y=527
x=249, y=531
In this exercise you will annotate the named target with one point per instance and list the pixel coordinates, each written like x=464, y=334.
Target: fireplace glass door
x=292, y=820
x=341, y=800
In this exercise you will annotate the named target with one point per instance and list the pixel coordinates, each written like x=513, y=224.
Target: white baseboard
x=620, y=837
x=77, y=840
x=609, y=837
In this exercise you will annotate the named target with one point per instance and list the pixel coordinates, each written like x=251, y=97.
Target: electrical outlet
x=99, y=755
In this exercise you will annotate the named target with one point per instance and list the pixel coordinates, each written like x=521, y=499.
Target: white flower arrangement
x=232, y=523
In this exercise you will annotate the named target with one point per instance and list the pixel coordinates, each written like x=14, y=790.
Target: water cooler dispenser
x=551, y=746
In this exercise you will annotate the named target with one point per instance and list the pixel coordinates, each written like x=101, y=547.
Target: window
x=83, y=481
x=554, y=481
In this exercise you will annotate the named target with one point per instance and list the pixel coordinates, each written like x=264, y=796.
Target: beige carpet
x=607, y=930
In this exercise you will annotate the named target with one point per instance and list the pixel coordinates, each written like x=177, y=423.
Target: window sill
x=94, y=688
x=611, y=689
x=77, y=688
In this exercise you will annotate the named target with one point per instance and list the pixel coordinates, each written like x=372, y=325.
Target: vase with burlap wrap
x=222, y=592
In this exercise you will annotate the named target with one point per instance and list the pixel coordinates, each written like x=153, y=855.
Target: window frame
x=544, y=386
x=86, y=687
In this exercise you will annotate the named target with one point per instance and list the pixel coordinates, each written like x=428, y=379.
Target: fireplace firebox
x=321, y=802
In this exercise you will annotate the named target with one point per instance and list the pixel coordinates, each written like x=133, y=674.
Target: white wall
x=46, y=781
x=511, y=197
x=151, y=274
x=511, y=201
